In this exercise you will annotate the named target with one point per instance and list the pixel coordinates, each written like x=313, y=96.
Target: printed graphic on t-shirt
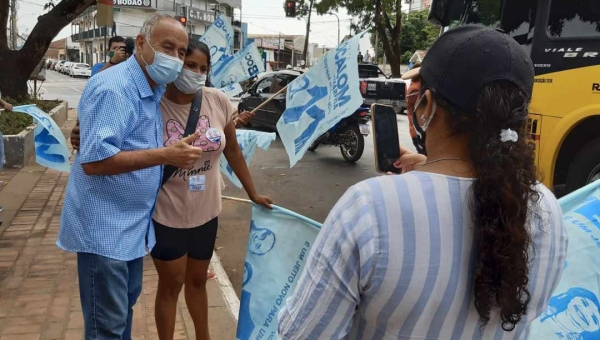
x=209, y=139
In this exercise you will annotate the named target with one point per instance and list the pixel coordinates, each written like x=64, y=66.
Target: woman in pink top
x=189, y=202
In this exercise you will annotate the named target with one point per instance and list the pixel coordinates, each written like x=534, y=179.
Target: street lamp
x=338, y=20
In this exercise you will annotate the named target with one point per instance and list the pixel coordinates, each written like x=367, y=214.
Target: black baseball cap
x=465, y=59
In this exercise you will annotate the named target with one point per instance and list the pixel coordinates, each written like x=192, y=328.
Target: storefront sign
x=200, y=15
x=270, y=43
x=133, y=3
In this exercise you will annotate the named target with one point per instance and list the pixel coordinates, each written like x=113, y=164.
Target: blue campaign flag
x=245, y=64
x=232, y=90
x=219, y=39
x=320, y=98
x=574, y=310
x=278, y=247
x=50, y=144
x=248, y=141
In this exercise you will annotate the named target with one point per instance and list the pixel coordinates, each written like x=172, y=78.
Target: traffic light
x=182, y=20
x=290, y=8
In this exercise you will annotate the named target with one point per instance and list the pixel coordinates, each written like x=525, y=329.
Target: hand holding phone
x=385, y=138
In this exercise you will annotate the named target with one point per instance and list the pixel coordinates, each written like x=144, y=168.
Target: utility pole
x=307, y=32
x=13, y=24
x=279, y=51
x=376, y=48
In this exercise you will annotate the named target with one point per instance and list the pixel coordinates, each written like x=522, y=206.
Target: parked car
x=65, y=68
x=377, y=87
x=267, y=84
x=58, y=65
x=80, y=70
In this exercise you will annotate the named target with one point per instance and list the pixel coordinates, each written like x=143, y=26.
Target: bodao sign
x=278, y=247
x=320, y=98
x=219, y=39
x=242, y=66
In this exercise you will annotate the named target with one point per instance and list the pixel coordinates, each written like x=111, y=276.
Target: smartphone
x=385, y=138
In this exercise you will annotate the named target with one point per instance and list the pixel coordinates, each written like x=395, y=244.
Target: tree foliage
x=381, y=16
x=417, y=34
x=16, y=66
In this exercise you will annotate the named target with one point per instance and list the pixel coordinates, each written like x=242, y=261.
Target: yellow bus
x=563, y=39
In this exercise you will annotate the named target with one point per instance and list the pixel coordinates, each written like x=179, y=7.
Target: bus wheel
x=585, y=167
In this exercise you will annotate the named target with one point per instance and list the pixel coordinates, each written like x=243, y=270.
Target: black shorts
x=172, y=243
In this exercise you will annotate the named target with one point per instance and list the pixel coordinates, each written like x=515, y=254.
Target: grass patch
x=11, y=123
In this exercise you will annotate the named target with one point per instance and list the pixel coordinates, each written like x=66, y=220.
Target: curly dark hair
x=502, y=198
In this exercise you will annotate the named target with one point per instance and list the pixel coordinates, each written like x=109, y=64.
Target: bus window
x=574, y=19
x=486, y=13
x=518, y=20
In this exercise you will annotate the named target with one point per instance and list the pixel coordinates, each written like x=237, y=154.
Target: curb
x=231, y=299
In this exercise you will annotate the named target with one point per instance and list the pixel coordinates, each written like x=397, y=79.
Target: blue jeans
x=109, y=289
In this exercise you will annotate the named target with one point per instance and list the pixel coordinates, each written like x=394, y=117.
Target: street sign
x=133, y=3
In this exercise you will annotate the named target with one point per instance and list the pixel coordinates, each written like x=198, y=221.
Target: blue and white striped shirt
x=394, y=260
x=111, y=215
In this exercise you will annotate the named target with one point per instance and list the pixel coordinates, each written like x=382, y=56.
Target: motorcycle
x=349, y=134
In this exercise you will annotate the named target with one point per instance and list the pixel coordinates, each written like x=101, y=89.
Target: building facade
x=280, y=50
x=130, y=15
x=419, y=5
x=64, y=49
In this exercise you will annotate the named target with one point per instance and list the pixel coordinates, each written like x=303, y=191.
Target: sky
x=262, y=16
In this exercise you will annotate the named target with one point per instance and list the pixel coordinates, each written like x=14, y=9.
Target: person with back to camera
x=469, y=245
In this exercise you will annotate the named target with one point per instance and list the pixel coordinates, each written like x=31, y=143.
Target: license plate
x=385, y=101
x=364, y=129
x=372, y=87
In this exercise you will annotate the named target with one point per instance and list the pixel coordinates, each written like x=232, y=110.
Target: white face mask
x=190, y=82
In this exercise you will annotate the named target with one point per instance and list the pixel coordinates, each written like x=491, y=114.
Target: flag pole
x=268, y=100
x=236, y=199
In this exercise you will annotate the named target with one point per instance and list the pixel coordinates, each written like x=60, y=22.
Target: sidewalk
x=39, y=295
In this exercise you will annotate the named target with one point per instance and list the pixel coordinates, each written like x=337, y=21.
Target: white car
x=59, y=65
x=80, y=70
x=65, y=68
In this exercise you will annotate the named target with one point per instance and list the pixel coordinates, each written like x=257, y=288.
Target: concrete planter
x=18, y=149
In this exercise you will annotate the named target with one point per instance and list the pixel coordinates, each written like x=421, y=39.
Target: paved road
x=310, y=188
x=59, y=86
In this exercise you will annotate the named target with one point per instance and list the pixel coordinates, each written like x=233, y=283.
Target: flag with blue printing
x=320, y=98
x=278, y=247
x=219, y=39
x=574, y=310
x=248, y=140
x=50, y=144
x=244, y=65
x=232, y=90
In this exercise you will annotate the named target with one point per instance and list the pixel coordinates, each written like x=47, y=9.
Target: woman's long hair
x=196, y=45
x=501, y=199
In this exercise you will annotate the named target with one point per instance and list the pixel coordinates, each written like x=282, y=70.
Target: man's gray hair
x=149, y=24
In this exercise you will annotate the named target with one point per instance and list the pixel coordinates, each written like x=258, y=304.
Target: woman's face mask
x=190, y=82
x=422, y=124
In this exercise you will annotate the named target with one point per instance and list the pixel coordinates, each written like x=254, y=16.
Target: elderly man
x=116, y=176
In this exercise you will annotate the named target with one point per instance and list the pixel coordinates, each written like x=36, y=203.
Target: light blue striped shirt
x=111, y=215
x=394, y=260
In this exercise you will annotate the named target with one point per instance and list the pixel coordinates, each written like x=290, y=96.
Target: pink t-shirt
x=179, y=204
